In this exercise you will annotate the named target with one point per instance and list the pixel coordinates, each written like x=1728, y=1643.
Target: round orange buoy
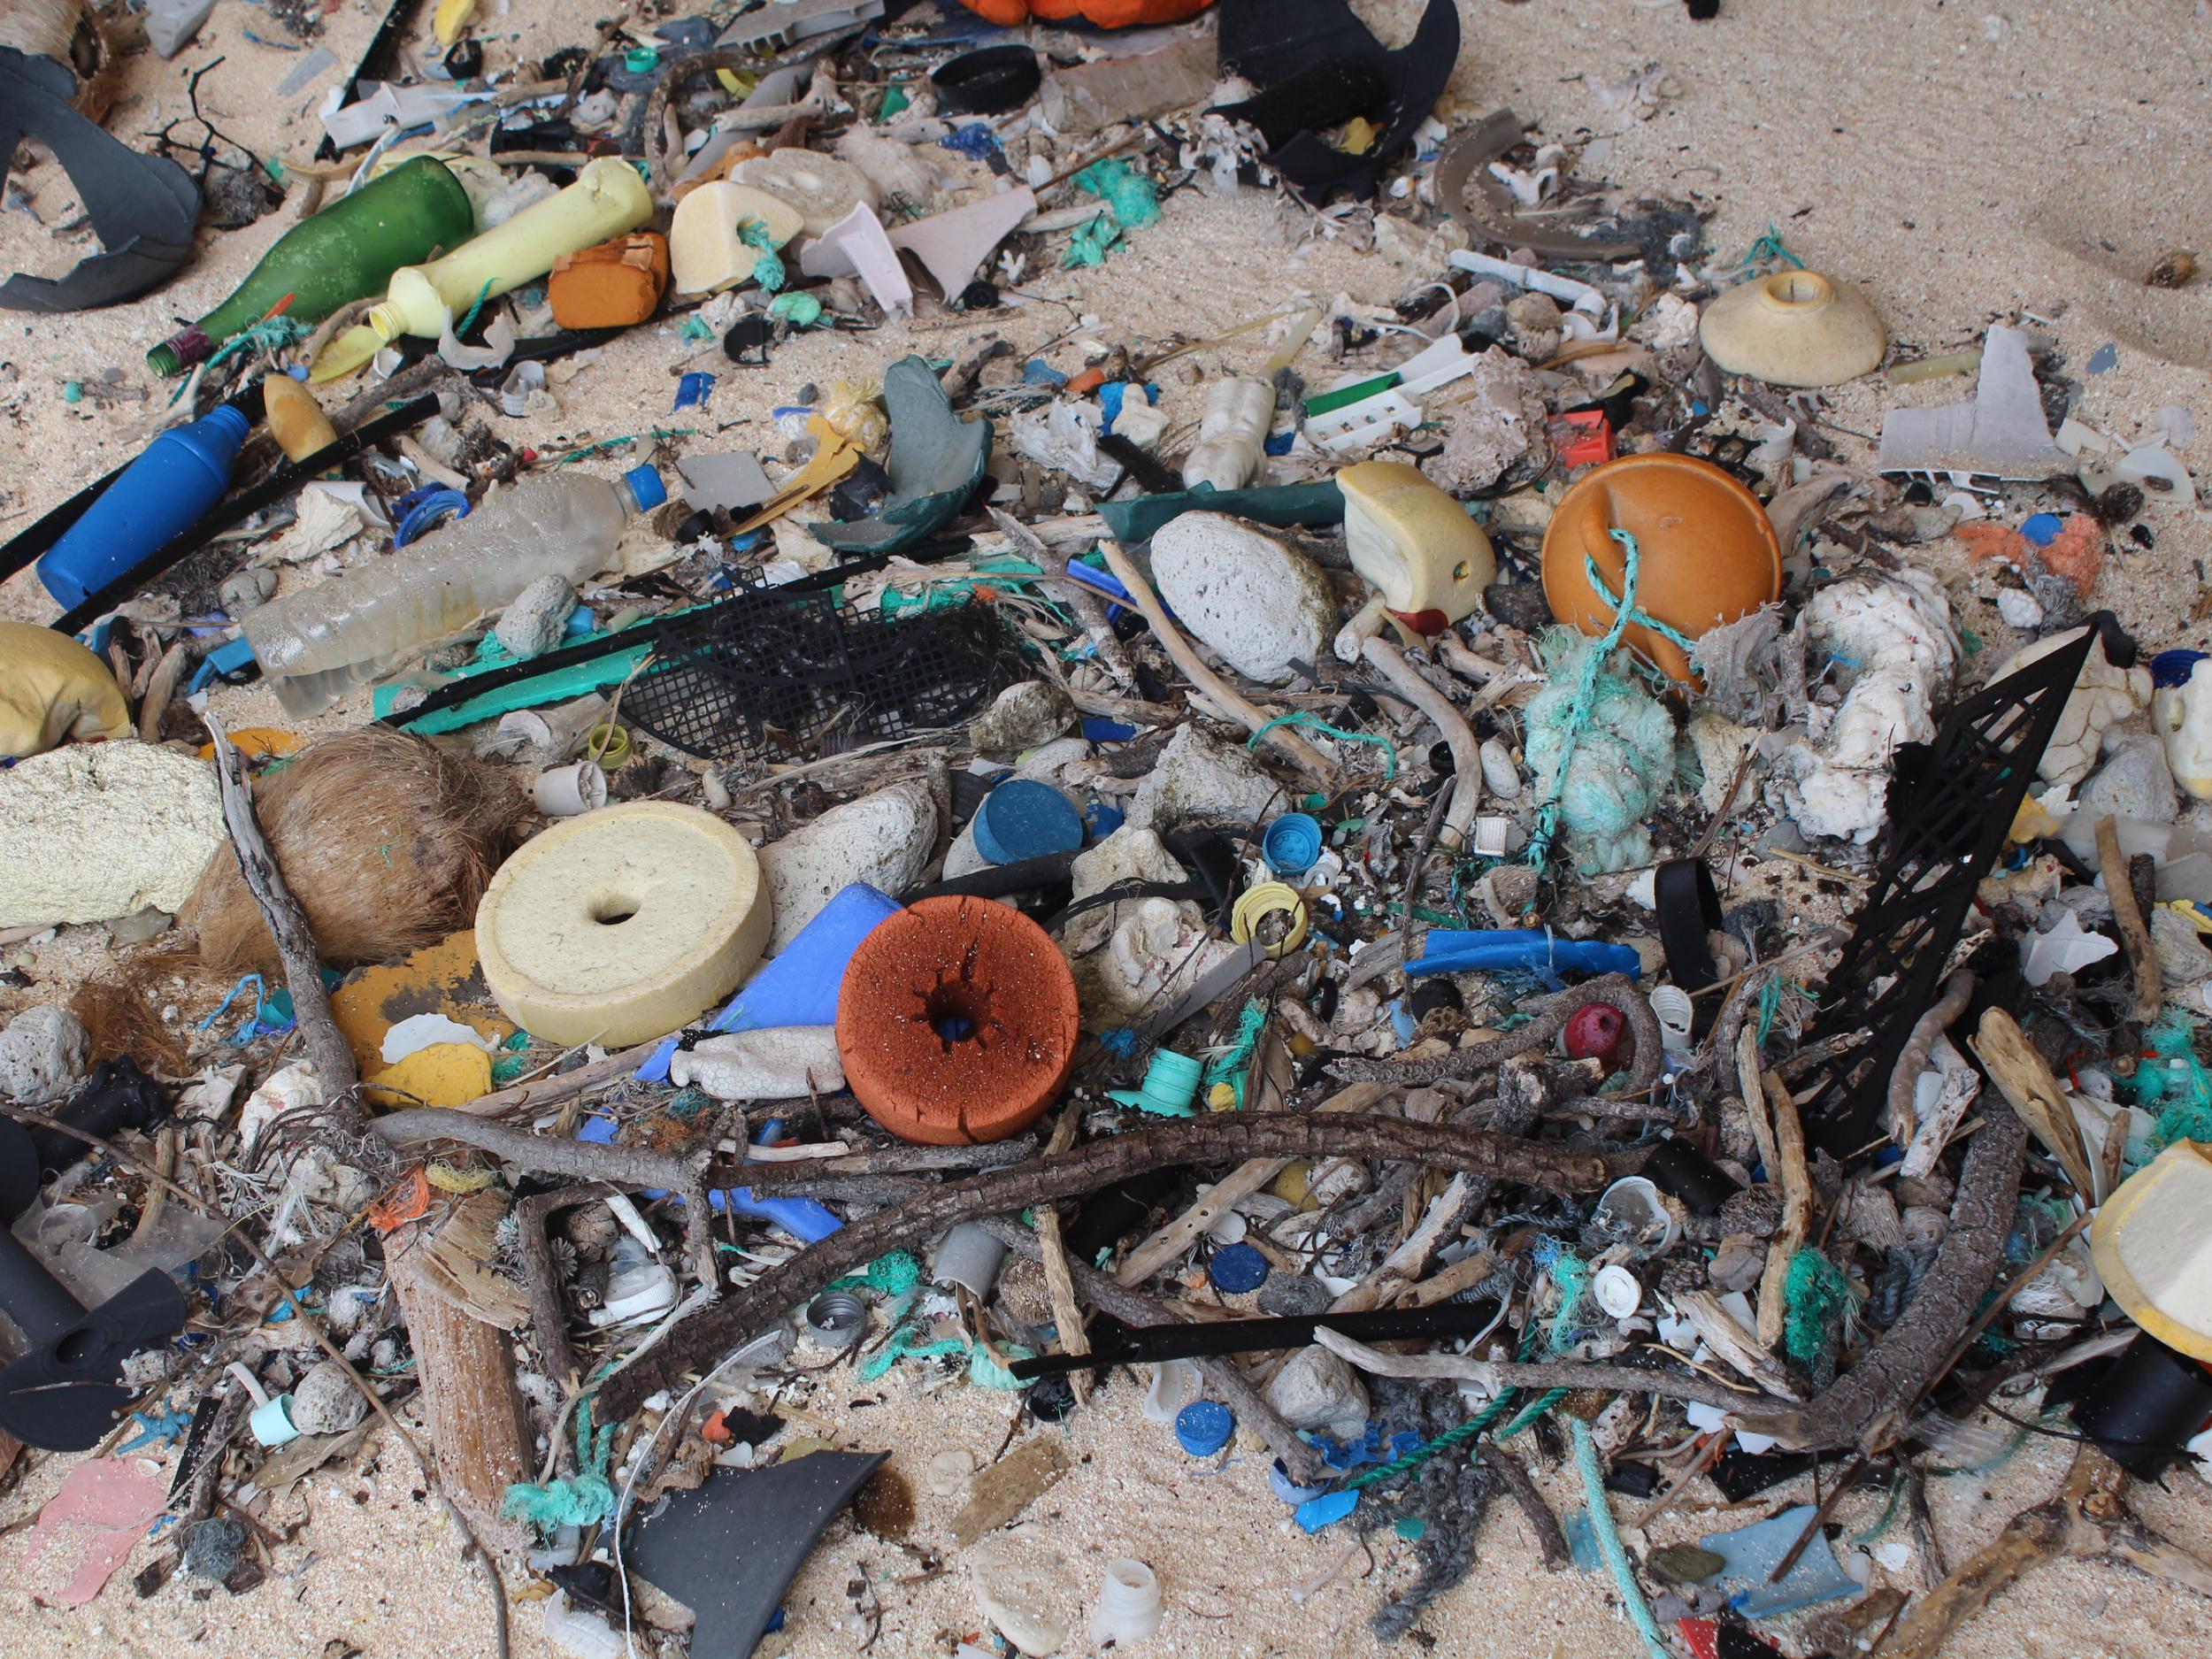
x=1707, y=553
x=1107, y=14
x=956, y=1022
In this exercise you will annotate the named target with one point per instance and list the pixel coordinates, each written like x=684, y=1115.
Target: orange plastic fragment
x=2077, y=552
x=1107, y=14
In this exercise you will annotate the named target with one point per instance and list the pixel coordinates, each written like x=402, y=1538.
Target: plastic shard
x=857, y=245
x=2001, y=434
x=728, y=1549
x=954, y=246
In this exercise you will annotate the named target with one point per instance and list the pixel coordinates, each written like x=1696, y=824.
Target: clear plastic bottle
x=316, y=645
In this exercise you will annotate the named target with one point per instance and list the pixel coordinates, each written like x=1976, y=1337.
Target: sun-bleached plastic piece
x=706, y=253
x=2001, y=434
x=1412, y=543
x=622, y=924
x=856, y=246
x=1231, y=444
x=1795, y=328
x=823, y=188
x=954, y=246
x=2154, y=1252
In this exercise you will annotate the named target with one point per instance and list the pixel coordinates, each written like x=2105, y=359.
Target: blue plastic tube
x=1489, y=949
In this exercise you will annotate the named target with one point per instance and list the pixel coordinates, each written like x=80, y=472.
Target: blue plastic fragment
x=1752, y=1552
x=1101, y=820
x=1279, y=443
x=1203, y=1427
x=2041, y=528
x=1023, y=818
x=1582, y=1541
x=1238, y=1268
x=976, y=141
x=694, y=390
x=2104, y=359
x=1037, y=371
x=1317, y=1513
x=2170, y=669
x=1279, y=1483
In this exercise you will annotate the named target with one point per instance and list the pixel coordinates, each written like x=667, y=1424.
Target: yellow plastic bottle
x=606, y=199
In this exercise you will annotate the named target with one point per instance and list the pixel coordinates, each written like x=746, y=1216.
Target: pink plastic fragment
x=101, y=1512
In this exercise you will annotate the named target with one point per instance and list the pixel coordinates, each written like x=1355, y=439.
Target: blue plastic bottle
x=182, y=473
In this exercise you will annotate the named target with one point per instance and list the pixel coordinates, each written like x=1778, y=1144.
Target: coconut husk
x=68, y=31
x=387, y=841
x=122, y=1019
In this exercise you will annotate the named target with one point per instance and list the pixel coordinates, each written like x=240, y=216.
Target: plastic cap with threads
x=1203, y=1427
x=646, y=488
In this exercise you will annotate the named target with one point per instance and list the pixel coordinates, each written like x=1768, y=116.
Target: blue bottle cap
x=1291, y=843
x=1203, y=1427
x=2042, y=528
x=1238, y=1268
x=1023, y=818
x=647, y=486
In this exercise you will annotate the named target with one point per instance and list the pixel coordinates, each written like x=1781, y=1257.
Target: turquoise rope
x=1314, y=722
x=1585, y=695
x=1610, y=1542
x=476, y=306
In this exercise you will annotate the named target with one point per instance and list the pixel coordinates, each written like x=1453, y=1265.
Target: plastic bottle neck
x=387, y=321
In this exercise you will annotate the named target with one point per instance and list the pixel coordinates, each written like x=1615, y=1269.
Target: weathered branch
x=1869, y=1404
x=1615, y=991
x=288, y=923
x=1912, y=1059
x=1501, y=1374
x=713, y=1331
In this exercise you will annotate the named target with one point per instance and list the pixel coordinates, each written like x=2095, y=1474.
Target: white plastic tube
x=1128, y=1605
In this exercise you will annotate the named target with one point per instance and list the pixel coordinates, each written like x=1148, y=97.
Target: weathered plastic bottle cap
x=1238, y=1269
x=836, y=1319
x=1023, y=818
x=1171, y=1083
x=1203, y=1427
x=1616, y=1290
x=1291, y=844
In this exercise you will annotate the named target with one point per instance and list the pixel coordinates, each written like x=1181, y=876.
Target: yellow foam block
x=443, y=1074
x=622, y=924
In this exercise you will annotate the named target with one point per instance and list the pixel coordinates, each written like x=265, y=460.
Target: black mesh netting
x=773, y=674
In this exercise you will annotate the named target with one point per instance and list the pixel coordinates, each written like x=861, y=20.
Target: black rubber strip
x=1689, y=909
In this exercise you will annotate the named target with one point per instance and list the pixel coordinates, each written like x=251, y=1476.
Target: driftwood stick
x=1406, y=680
x=1797, y=1207
x=1222, y=1375
x=1213, y=685
x=1501, y=1374
x=287, y=922
x=1551, y=1543
x=2029, y=1086
x=539, y=1154
x=712, y=1331
x=1868, y=1406
x=2127, y=916
x=1912, y=1059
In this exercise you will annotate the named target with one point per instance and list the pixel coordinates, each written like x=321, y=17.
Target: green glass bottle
x=344, y=253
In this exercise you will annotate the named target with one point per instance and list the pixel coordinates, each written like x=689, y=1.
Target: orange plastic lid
x=956, y=1022
x=1707, y=552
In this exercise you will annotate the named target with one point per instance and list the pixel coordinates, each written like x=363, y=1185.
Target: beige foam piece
x=1795, y=328
x=2153, y=1252
x=1412, y=541
x=97, y=831
x=622, y=924
x=705, y=253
